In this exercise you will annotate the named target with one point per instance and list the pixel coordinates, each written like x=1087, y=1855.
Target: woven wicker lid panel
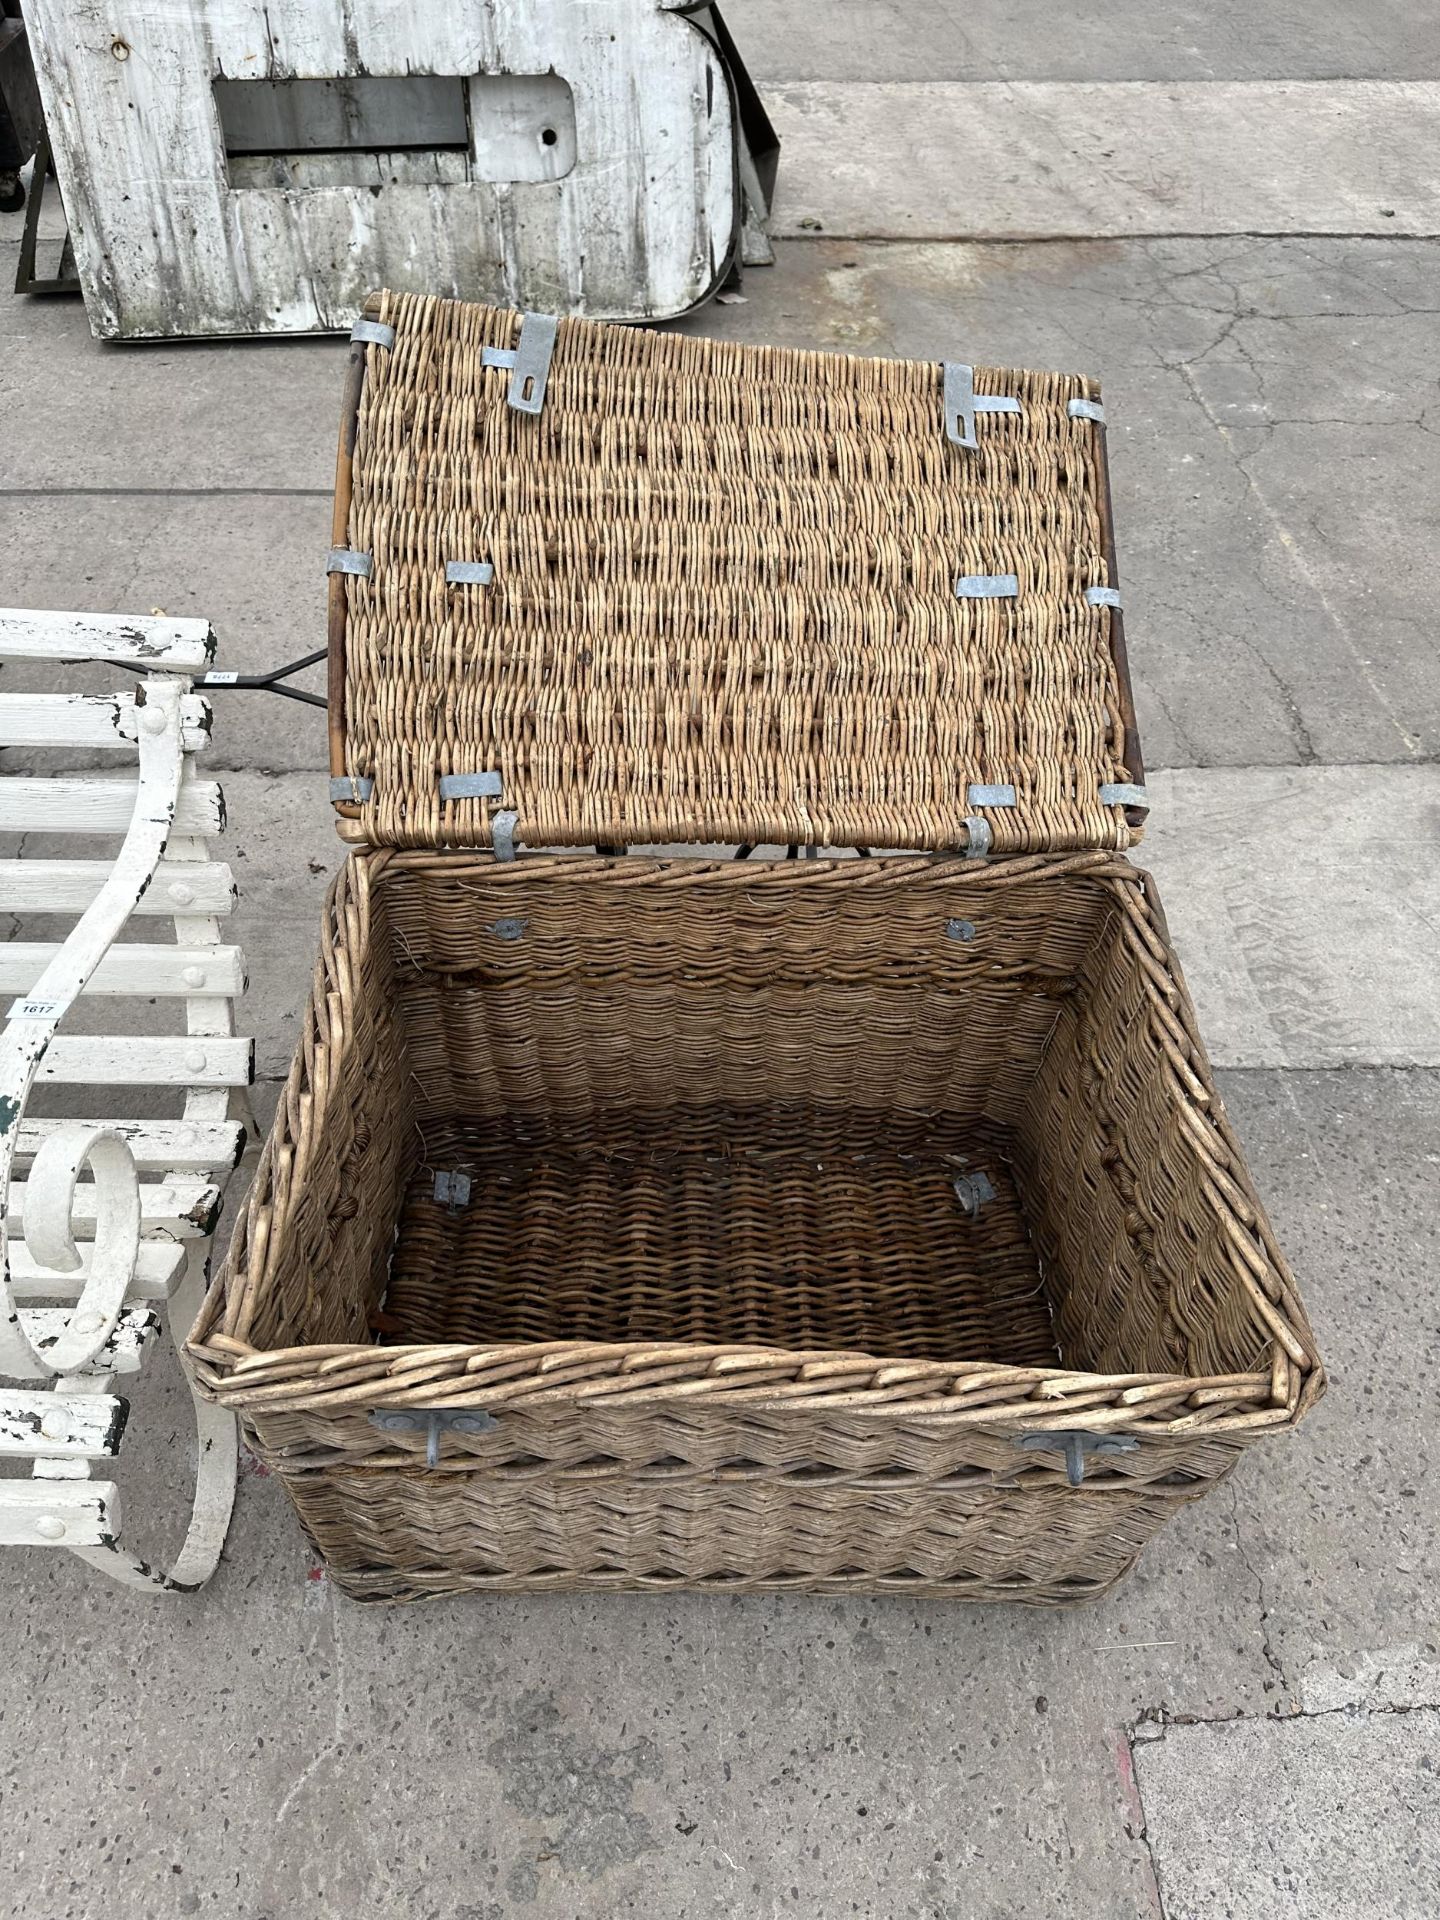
x=718, y=593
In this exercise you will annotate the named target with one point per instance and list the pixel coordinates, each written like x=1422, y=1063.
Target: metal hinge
x=1075, y=1445
x=432, y=1422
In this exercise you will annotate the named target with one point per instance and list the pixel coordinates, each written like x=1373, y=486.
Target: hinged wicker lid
x=598, y=585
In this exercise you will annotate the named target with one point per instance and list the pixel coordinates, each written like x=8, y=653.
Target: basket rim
x=535, y=1376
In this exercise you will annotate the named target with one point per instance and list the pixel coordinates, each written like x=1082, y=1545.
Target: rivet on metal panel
x=1118, y=794
x=471, y=786
x=532, y=362
x=373, y=332
x=959, y=402
x=1102, y=597
x=508, y=929
x=996, y=796
x=1086, y=410
x=502, y=832
x=987, y=586
x=468, y=573
x=351, y=786
x=1075, y=1444
x=346, y=560
x=972, y=1190
x=959, y=929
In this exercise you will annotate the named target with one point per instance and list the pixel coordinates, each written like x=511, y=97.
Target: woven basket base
x=733, y=1230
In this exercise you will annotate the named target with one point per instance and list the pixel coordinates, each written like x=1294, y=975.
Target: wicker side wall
x=311, y=1251
x=1156, y=1250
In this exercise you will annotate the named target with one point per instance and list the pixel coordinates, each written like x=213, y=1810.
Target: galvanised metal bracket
x=452, y=1190
x=432, y=1422
x=1075, y=1444
x=972, y=1190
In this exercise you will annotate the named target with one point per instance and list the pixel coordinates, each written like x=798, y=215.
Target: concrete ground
x=1251, y=1725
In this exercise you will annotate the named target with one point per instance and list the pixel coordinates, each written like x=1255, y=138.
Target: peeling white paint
x=640, y=226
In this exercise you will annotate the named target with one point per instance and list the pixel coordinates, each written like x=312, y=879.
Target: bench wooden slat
x=158, y=1146
x=133, y=969
x=85, y=1426
x=123, y=1351
x=69, y=803
x=167, y=1060
x=153, y=641
x=184, y=1209
x=68, y=886
x=158, y=1264
x=91, y=720
x=58, y=1513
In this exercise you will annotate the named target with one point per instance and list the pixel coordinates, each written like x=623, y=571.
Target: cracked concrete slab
x=1305, y=906
x=1343, y=1528
x=1091, y=40
x=1044, y=160
x=1313, y=1816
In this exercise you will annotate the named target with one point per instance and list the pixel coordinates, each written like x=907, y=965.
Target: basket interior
x=726, y=1104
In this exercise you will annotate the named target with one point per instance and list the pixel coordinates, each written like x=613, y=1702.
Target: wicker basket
x=853, y=1222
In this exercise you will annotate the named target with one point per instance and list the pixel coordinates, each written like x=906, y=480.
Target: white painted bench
x=88, y=1268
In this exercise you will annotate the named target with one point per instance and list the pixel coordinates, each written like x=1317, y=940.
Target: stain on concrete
x=579, y=1790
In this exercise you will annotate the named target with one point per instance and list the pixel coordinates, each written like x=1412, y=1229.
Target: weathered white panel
x=50, y=1513
x=84, y=1426
x=157, y=1146
x=125, y=1345
x=158, y=1265
x=90, y=720
x=182, y=1209
x=641, y=226
x=133, y=969
x=168, y=1061
x=68, y=886
x=72, y=804
x=158, y=644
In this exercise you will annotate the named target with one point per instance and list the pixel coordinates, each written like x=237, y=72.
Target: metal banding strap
x=987, y=586
x=980, y=838
x=374, y=332
x=471, y=786
x=346, y=560
x=498, y=357
x=532, y=362
x=982, y=796
x=502, y=832
x=1117, y=794
x=468, y=573
x=959, y=403
x=1103, y=597
x=1086, y=410
x=351, y=786
x=997, y=403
